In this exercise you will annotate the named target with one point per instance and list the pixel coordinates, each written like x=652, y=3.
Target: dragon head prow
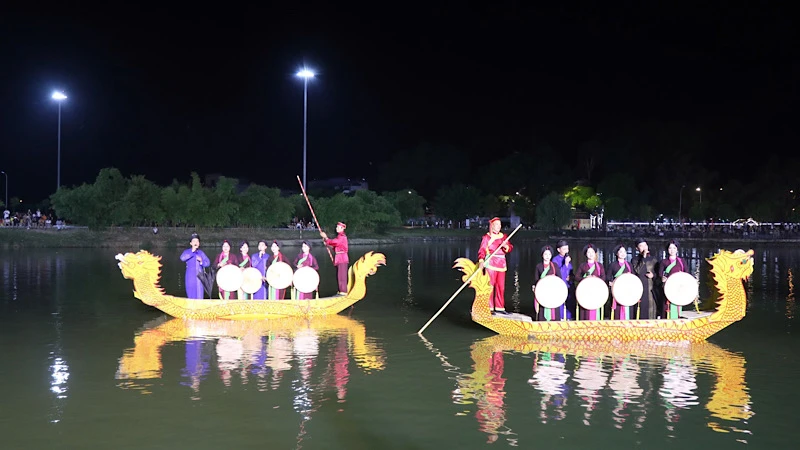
x=370, y=261
x=738, y=264
x=137, y=264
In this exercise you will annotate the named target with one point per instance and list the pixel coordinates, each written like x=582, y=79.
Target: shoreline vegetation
x=142, y=238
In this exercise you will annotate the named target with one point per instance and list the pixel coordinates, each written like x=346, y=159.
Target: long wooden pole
x=303, y=188
x=468, y=280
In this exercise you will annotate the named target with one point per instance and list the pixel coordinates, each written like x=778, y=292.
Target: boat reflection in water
x=260, y=352
x=640, y=378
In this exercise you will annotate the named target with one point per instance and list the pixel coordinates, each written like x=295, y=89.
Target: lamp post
x=305, y=74
x=701, y=194
x=59, y=97
x=680, y=205
x=4, y=173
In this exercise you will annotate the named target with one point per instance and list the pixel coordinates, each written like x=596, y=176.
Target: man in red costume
x=341, y=261
x=496, y=265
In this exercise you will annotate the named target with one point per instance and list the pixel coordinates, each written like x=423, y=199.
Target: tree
x=457, y=202
x=261, y=206
x=175, y=201
x=408, y=203
x=224, y=201
x=553, y=212
x=412, y=168
x=144, y=199
x=110, y=188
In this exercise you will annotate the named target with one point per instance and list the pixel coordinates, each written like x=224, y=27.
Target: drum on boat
x=551, y=292
x=251, y=280
x=681, y=289
x=592, y=293
x=627, y=289
x=279, y=275
x=229, y=278
x=306, y=280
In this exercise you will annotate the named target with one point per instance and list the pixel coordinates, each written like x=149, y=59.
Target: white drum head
x=279, y=275
x=306, y=280
x=592, y=293
x=229, y=278
x=627, y=289
x=681, y=289
x=251, y=280
x=551, y=292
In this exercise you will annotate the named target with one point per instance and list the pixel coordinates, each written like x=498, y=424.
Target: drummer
x=306, y=259
x=244, y=263
x=669, y=266
x=223, y=259
x=615, y=270
x=277, y=256
x=543, y=269
x=259, y=261
x=591, y=268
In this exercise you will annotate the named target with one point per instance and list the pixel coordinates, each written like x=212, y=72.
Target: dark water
x=86, y=365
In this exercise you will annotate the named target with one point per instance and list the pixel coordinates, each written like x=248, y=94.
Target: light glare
x=305, y=73
x=58, y=95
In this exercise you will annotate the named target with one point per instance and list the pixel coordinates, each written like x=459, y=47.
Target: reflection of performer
x=543, y=269
x=591, y=380
x=673, y=264
x=277, y=256
x=615, y=270
x=625, y=385
x=223, y=259
x=341, y=260
x=491, y=412
x=496, y=266
x=259, y=261
x=644, y=265
x=195, y=260
x=196, y=364
x=550, y=378
x=306, y=259
x=591, y=268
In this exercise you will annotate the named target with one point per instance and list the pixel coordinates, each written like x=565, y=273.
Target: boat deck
x=526, y=318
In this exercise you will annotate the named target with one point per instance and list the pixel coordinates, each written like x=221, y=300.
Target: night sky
x=163, y=92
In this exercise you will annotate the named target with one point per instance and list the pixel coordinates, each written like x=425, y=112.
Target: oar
x=303, y=188
x=488, y=258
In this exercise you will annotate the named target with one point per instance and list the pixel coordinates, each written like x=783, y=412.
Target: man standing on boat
x=644, y=266
x=496, y=265
x=341, y=260
x=564, y=263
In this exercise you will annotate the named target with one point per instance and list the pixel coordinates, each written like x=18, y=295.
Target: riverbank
x=144, y=238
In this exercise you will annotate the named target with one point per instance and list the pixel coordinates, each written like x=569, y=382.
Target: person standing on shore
x=496, y=265
x=259, y=261
x=195, y=260
x=341, y=260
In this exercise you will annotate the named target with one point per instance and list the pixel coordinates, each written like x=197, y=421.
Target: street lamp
x=680, y=204
x=701, y=194
x=305, y=74
x=4, y=173
x=59, y=97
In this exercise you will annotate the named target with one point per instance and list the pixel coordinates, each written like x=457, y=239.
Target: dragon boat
x=144, y=269
x=728, y=268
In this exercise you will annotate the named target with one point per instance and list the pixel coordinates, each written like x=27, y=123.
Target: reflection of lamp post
x=59, y=97
x=305, y=74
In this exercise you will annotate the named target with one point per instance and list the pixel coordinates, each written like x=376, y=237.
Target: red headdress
x=342, y=224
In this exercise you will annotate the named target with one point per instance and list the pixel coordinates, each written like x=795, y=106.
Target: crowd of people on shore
x=198, y=264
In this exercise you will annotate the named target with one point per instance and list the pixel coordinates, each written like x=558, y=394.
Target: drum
x=592, y=293
x=551, y=292
x=279, y=275
x=251, y=280
x=229, y=278
x=306, y=280
x=681, y=289
x=627, y=289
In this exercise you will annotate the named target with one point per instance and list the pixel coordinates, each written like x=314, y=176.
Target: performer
x=277, y=256
x=341, y=260
x=644, y=266
x=591, y=268
x=223, y=259
x=306, y=259
x=673, y=264
x=543, y=269
x=564, y=263
x=496, y=266
x=615, y=270
x=244, y=263
x=195, y=260
x=259, y=261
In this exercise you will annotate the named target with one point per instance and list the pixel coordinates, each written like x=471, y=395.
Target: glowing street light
x=305, y=74
x=59, y=97
x=701, y=194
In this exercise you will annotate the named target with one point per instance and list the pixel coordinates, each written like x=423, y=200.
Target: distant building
x=344, y=185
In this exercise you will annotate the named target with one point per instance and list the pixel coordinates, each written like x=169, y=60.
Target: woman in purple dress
x=259, y=261
x=306, y=259
x=195, y=261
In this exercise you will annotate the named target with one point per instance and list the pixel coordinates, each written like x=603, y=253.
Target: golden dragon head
x=737, y=265
x=368, y=264
x=136, y=265
x=480, y=281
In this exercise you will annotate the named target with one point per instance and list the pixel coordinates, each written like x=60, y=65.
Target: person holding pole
x=496, y=264
x=341, y=260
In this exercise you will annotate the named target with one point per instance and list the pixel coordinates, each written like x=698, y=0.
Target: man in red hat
x=496, y=265
x=341, y=261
